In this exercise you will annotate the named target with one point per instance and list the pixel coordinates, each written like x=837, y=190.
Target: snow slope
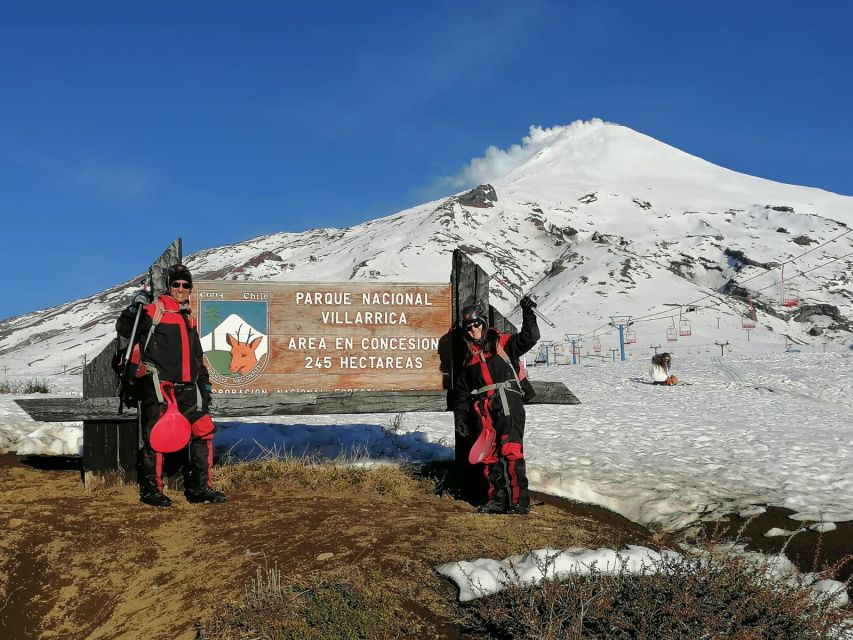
x=597, y=220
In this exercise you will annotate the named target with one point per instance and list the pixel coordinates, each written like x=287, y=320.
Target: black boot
x=521, y=508
x=206, y=495
x=154, y=498
x=492, y=506
x=498, y=503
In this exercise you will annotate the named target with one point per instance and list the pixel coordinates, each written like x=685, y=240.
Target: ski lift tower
x=621, y=323
x=575, y=340
x=546, y=344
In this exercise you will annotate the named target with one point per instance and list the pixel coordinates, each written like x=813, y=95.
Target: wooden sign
x=284, y=337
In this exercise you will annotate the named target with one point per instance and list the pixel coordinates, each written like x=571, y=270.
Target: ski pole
x=495, y=277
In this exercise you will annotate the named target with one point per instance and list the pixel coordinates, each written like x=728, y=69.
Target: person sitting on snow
x=659, y=372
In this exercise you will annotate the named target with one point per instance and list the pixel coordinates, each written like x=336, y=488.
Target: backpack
x=129, y=370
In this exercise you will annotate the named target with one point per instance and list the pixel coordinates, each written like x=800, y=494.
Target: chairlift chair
x=672, y=334
x=790, y=292
x=630, y=336
x=596, y=344
x=748, y=321
x=684, y=328
x=790, y=296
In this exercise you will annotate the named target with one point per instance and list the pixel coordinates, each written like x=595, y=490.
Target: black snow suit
x=503, y=407
x=171, y=352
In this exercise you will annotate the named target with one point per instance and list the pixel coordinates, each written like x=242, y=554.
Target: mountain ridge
x=594, y=218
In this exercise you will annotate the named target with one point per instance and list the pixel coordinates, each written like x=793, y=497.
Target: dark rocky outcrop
x=607, y=238
x=735, y=290
x=806, y=311
x=480, y=197
x=803, y=240
x=739, y=259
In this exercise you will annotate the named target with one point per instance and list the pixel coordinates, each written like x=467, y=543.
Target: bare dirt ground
x=99, y=564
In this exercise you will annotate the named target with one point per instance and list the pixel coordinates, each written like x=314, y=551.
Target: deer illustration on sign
x=243, y=356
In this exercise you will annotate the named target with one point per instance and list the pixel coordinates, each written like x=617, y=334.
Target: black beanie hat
x=179, y=272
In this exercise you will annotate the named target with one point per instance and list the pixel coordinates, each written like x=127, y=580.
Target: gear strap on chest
x=500, y=387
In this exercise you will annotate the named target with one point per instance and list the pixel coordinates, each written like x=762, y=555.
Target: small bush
x=322, y=611
x=679, y=597
x=37, y=386
x=19, y=387
x=333, y=475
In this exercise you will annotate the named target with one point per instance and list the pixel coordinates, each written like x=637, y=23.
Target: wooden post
x=109, y=444
x=469, y=284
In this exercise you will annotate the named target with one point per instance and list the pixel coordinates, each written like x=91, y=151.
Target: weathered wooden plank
x=99, y=378
x=469, y=283
x=111, y=447
x=105, y=409
x=552, y=393
x=71, y=409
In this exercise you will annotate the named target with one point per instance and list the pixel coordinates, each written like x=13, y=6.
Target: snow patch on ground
x=749, y=431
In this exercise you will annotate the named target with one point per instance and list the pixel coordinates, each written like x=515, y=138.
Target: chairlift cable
x=652, y=316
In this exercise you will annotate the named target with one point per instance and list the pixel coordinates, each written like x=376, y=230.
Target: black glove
x=527, y=303
x=206, y=393
x=141, y=297
x=462, y=426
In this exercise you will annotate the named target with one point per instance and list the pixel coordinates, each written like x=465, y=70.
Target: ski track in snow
x=748, y=429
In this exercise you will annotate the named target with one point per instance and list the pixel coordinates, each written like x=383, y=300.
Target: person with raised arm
x=489, y=397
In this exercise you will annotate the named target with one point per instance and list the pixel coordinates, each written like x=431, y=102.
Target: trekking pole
x=495, y=277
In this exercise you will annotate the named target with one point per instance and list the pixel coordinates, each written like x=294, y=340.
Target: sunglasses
x=181, y=285
x=473, y=325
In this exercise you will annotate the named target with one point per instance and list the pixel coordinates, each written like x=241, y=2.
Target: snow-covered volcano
x=593, y=218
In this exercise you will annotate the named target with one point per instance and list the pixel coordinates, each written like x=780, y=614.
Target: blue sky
x=126, y=124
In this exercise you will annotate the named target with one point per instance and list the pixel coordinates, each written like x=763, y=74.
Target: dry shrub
x=681, y=597
x=24, y=387
x=320, y=611
x=341, y=474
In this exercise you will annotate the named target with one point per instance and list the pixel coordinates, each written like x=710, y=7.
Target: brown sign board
x=284, y=337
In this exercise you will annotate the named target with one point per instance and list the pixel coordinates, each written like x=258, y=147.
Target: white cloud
x=496, y=163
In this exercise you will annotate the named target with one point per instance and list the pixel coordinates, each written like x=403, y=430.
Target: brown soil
x=809, y=550
x=99, y=564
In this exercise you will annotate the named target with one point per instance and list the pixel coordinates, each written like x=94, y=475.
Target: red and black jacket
x=472, y=378
x=174, y=347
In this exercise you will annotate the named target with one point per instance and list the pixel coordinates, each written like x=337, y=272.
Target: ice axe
x=497, y=279
x=146, y=285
